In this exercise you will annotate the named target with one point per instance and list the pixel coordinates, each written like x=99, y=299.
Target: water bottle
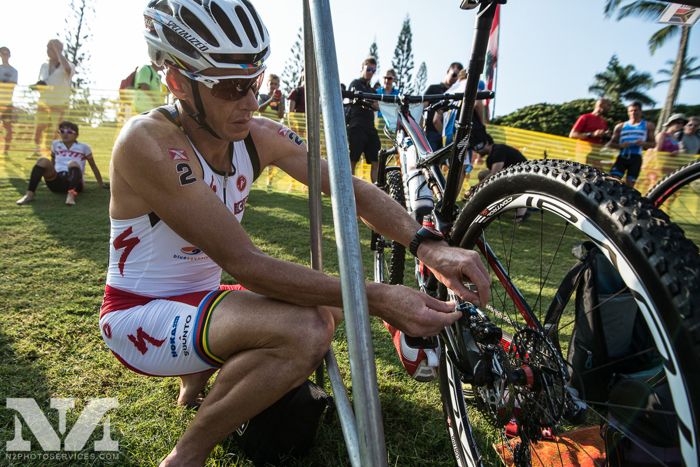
x=419, y=198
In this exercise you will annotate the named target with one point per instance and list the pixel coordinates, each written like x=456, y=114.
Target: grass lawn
x=52, y=270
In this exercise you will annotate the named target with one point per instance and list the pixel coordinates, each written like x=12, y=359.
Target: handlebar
x=409, y=99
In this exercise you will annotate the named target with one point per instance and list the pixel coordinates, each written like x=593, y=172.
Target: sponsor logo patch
x=178, y=154
x=190, y=250
x=241, y=183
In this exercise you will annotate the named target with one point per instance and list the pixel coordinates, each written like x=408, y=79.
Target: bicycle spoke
x=561, y=239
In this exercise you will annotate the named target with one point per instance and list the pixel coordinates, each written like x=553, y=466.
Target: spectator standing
x=274, y=100
x=631, y=138
x=147, y=88
x=666, y=140
x=8, y=81
x=362, y=134
x=690, y=136
x=433, y=134
x=54, y=90
x=297, y=99
x=592, y=127
x=389, y=89
x=64, y=172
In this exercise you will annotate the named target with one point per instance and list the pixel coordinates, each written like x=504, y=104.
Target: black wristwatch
x=425, y=233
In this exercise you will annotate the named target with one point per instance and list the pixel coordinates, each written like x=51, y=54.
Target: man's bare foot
x=192, y=388
x=26, y=199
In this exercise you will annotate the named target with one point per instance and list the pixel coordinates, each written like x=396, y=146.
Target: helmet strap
x=198, y=114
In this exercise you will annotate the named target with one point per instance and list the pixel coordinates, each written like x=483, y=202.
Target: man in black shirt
x=498, y=157
x=362, y=133
x=434, y=135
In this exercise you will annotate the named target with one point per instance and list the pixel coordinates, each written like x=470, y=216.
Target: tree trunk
x=675, y=83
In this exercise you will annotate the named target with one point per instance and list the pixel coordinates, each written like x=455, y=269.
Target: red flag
x=492, y=51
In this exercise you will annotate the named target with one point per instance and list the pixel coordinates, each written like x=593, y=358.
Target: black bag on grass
x=609, y=334
x=285, y=429
x=641, y=428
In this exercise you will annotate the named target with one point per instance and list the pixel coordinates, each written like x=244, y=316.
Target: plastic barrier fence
x=101, y=114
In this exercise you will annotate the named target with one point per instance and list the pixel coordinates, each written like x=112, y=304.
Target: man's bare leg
x=269, y=347
x=192, y=388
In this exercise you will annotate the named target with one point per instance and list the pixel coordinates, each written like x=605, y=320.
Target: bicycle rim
x=678, y=195
x=569, y=203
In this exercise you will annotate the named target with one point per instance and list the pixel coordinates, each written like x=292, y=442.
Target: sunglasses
x=372, y=69
x=389, y=78
x=229, y=88
x=67, y=131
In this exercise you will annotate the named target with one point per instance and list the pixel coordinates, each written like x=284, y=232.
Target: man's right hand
x=414, y=312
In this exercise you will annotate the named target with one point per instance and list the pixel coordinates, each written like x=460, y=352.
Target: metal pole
x=313, y=141
x=364, y=375
x=345, y=414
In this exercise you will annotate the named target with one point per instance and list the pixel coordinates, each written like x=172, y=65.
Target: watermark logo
x=70, y=442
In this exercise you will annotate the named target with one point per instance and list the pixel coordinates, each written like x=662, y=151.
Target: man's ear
x=178, y=84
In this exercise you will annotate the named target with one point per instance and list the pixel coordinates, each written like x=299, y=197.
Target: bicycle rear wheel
x=678, y=195
x=389, y=255
x=569, y=203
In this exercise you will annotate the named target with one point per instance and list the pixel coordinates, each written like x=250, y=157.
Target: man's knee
x=314, y=334
x=44, y=162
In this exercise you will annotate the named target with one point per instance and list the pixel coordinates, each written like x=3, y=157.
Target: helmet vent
x=163, y=7
x=197, y=27
x=256, y=18
x=243, y=18
x=180, y=44
x=225, y=24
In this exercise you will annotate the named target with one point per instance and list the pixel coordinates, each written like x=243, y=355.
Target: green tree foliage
x=557, y=119
x=651, y=10
x=294, y=66
x=402, y=62
x=77, y=34
x=421, y=78
x=622, y=82
x=374, y=51
x=689, y=72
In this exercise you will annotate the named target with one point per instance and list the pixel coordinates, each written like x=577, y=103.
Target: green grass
x=52, y=272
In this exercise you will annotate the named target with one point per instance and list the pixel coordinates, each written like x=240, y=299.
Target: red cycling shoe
x=421, y=362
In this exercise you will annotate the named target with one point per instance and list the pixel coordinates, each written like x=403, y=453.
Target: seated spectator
x=666, y=140
x=64, y=172
x=498, y=157
x=689, y=138
x=274, y=100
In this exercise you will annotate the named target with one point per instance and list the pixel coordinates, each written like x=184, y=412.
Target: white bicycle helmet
x=194, y=35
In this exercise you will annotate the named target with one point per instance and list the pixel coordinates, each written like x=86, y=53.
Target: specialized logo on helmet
x=187, y=36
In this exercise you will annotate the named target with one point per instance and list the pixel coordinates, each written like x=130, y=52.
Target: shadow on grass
x=22, y=375
x=76, y=227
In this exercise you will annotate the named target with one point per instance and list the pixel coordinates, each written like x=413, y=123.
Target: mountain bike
x=499, y=365
x=678, y=195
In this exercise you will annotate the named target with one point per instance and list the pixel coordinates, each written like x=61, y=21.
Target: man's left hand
x=453, y=266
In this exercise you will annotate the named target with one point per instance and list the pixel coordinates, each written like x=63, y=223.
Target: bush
x=557, y=119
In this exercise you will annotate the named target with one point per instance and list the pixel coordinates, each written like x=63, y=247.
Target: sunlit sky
x=549, y=49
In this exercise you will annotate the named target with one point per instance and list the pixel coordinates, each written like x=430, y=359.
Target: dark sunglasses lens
x=67, y=131
x=388, y=78
x=236, y=89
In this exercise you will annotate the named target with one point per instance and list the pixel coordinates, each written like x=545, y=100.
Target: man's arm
x=451, y=265
x=174, y=191
x=615, y=140
x=95, y=170
x=577, y=130
x=651, y=140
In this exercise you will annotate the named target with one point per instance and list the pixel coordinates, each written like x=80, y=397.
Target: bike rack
x=363, y=434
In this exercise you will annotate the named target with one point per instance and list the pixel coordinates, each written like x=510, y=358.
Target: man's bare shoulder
x=148, y=137
x=274, y=140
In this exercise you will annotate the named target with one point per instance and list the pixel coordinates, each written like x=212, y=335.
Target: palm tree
x=651, y=10
x=620, y=82
x=689, y=71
